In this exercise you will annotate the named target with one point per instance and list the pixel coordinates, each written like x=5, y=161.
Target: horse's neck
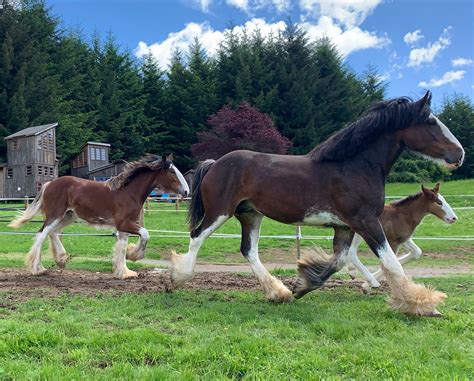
x=141, y=186
x=383, y=153
x=414, y=211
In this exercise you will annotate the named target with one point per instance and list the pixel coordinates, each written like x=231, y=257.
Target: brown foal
x=116, y=203
x=399, y=221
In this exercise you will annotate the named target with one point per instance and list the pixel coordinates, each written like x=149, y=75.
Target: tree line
x=98, y=91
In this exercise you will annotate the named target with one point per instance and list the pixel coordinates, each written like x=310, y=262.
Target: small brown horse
x=115, y=203
x=340, y=184
x=399, y=221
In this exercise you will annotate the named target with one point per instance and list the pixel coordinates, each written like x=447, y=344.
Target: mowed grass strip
x=331, y=334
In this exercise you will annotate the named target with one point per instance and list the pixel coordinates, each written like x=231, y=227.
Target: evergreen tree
x=457, y=112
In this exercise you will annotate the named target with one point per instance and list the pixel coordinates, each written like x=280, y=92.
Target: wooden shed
x=93, y=155
x=31, y=160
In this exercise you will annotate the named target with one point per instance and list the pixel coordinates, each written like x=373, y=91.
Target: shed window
x=15, y=144
x=51, y=171
x=29, y=170
x=92, y=153
x=9, y=173
x=40, y=170
x=102, y=154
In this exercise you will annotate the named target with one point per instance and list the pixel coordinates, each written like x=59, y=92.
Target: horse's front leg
x=137, y=252
x=120, y=268
x=414, y=252
x=316, y=269
x=408, y=297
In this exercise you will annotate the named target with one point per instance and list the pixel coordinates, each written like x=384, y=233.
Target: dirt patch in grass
x=18, y=285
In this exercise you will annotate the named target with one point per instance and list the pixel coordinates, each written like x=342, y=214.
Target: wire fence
x=160, y=233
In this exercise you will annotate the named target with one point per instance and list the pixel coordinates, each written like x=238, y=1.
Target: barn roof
x=95, y=144
x=31, y=131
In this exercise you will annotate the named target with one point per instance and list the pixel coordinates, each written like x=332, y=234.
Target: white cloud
x=411, y=37
x=241, y=4
x=419, y=56
x=208, y=37
x=348, y=13
x=204, y=4
x=251, y=6
x=348, y=40
x=462, y=62
x=336, y=20
x=448, y=77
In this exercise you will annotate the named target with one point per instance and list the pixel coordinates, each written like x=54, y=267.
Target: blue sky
x=415, y=45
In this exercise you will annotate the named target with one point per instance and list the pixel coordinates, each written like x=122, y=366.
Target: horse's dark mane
x=386, y=116
x=405, y=200
x=147, y=163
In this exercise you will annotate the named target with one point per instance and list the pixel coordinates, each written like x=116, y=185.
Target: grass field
x=227, y=250
x=331, y=334
x=337, y=333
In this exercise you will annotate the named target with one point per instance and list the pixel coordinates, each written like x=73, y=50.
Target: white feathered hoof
x=133, y=254
x=276, y=291
x=182, y=269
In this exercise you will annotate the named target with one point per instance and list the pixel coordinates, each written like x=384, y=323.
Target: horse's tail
x=196, y=209
x=32, y=210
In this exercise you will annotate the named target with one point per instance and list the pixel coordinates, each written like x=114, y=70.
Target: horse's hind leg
x=57, y=249
x=33, y=259
x=315, y=270
x=182, y=267
x=274, y=289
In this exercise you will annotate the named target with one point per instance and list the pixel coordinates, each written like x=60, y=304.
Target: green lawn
x=227, y=250
x=331, y=334
x=337, y=333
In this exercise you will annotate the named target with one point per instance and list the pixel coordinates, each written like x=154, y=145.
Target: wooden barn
x=93, y=155
x=93, y=162
x=31, y=161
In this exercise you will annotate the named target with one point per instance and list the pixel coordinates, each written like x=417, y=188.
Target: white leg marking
x=353, y=257
x=34, y=256
x=183, y=265
x=389, y=259
x=121, y=270
x=274, y=289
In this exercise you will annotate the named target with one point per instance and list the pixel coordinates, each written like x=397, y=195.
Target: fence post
x=177, y=203
x=298, y=239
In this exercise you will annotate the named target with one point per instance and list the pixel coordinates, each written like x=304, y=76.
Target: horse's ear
x=426, y=100
x=436, y=188
x=428, y=193
x=163, y=158
x=170, y=157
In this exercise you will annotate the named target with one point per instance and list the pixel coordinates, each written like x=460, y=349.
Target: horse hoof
x=130, y=274
x=62, y=263
x=38, y=272
x=435, y=314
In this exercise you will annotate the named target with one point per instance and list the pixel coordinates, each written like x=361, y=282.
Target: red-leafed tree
x=244, y=127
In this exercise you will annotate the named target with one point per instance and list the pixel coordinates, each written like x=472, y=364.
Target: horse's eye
x=439, y=202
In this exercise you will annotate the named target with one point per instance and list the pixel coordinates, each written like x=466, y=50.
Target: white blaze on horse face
x=449, y=215
x=181, y=179
x=449, y=135
x=321, y=218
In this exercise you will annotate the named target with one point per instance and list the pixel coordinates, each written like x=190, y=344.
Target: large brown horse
x=340, y=184
x=116, y=203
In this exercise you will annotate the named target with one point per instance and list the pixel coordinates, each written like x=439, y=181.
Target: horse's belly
x=321, y=219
